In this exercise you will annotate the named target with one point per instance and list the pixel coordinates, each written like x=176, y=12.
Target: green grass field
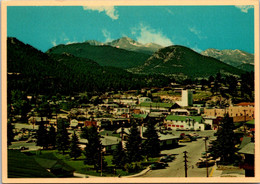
x=23, y=166
x=33, y=164
x=201, y=95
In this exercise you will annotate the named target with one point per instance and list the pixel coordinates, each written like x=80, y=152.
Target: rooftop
x=248, y=149
x=140, y=115
x=251, y=122
x=166, y=105
x=246, y=104
x=167, y=137
x=183, y=118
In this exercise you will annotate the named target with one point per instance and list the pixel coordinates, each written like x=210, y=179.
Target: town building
x=186, y=98
x=239, y=113
x=184, y=122
x=152, y=107
x=184, y=112
x=145, y=100
x=120, y=111
x=248, y=164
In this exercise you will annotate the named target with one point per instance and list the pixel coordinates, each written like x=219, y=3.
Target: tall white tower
x=187, y=98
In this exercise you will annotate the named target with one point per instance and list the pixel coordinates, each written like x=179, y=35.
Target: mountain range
x=97, y=66
x=132, y=45
x=236, y=58
x=104, y=55
x=179, y=60
x=129, y=44
x=35, y=72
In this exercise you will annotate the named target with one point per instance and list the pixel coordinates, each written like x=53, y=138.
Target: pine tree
x=52, y=136
x=119, y=156
x=10, y=133
x=93, y=148
x=62, y=137
x=151, y=146
x=42, y=136
x=133, y=145
x=224, y=146
x=75, y=150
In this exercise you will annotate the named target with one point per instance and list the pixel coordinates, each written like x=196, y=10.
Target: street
x=19, y=144
x=176, y=167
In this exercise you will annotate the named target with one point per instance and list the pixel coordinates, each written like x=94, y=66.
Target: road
x=19, y=144
x=176, y=167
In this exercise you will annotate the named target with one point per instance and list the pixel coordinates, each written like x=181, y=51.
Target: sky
x=196, y=27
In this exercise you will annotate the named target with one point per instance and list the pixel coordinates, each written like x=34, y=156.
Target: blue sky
x=197, y=27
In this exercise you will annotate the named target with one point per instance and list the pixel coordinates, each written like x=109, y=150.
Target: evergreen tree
x=52, y=136
x=20, y=104
x=133, y=145
x=151, y=146
x=42, y=136
x=62, y=137
x=119, y=156
x=55, y=107
x=93, y=149
x=75, y=150
x=10, y=133
x=224, y=146
x=232, y=85
x=84, y=133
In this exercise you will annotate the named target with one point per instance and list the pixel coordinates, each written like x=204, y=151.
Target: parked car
x=194, y=134
x=171, y=156
x=185, y=140
x=204, y=154
x=164, y=164
x=201, y=163
x=24, y=148
x=157, y=165
x=166, y=159
x=192, y=138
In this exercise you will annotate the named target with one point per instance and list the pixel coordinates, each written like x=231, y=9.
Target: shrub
x=133, y=167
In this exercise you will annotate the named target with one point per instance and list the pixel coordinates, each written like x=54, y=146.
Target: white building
x=145, y=99
x=119, y=111
x=186, y=98
x=184, y=122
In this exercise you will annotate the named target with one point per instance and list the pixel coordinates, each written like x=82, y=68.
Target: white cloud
x=197, y=33
x=244, y=8
x=109, y=10
x=195, y=48
x=63, y=39
x=107, y=35
x=54, y=43
x=71, y=42
x=149, y=35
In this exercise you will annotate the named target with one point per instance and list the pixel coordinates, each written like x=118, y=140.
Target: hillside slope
x=104, y=55
x=182, y=61
x=35, y=72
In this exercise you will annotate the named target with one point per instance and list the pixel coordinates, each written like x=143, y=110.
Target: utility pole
x=206, y=150
x=244, y=121
x=185, y=161
x=101, y=162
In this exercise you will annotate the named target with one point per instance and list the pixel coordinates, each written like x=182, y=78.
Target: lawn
x=170, y=93
x=79, y=166
x=22, y=166
x=202, y=95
